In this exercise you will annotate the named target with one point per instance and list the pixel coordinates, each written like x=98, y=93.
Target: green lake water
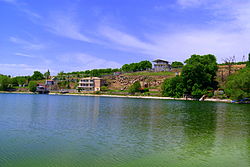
x=73, y=131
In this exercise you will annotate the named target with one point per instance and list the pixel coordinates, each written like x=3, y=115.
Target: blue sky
x=75, y=35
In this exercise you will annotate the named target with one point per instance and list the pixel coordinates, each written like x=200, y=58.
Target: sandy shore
x=134, y=97
x=147, y=97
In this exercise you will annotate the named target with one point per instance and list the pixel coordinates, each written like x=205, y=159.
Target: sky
x=76, y=35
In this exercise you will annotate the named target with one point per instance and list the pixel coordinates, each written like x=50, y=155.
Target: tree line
x=198, y=77
x=7, y=82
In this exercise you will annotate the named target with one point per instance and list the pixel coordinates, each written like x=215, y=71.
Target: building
x=90, y=84
x=161, y=65
x=49, y=82
x=41, y=89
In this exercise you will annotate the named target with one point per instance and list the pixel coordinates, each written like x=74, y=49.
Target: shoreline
x=128, y=96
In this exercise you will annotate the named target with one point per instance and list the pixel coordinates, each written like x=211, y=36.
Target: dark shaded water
x=42, y=130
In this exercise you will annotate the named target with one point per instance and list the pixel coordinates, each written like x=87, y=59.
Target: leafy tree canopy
x=46, y=74
x=173, y=87
x=5, y=82
x=32, y=86
x=133, y=67
x=37, y=76
x=197, y=76
x=177, y=64
x=238, y=84
x=136, y=87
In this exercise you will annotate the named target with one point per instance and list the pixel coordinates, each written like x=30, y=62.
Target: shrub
x=173, y=87
x=32, y=86
x=104, y=88
x=4, y=82
x=238, y=85
x=136, y=87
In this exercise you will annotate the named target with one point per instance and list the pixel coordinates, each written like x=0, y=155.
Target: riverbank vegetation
x=197, y=77
x=193, y=78
x=238, y=84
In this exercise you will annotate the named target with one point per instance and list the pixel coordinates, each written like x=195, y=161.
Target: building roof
x=160, y=60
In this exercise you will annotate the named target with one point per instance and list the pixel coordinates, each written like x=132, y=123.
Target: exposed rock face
x=122, y=82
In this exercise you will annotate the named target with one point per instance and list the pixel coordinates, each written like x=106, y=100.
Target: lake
x=75, y=131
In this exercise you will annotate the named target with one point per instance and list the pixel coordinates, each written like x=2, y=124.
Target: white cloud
x=24, y=55
x=66, y=26
x=226, y=35
x=83, y=61
x=27, y=44
x=20, y=69
x=23, y=7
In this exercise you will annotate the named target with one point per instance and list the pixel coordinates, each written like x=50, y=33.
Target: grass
x=165, y=73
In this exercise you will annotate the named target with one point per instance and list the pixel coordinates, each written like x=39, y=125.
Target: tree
x=238, y=84
x=133, y=67
x=37, y=76
x=144, y=65
x=136, y=87
x=32, y=86
x=4, y=82
x=248, y=63
x=177, y=64
x=104, y=88
x=46, y=74
x=173, y=87
x=199, y=74
x=197, y=77
x=19, y=80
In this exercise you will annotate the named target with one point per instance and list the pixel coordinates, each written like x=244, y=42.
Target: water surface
x=65, y=131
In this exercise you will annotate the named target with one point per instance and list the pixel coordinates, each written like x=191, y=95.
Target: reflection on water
x=41, y=130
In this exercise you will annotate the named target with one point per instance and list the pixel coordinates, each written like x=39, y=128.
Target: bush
x=32, y=86
x=136, y=87
x=173, y=87
x=177, y=64
x=238, y=85
x=104, y=88
x=210, y=94
x=37, y=76
x=4, y=82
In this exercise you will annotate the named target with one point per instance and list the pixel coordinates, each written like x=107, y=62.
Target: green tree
x=104, y=88
x=133, y=67
x=46, y=74
x=238, y=84
x=199, y=74
x=173, y=87
x=197, y=77
x=177, y=64
x=144, y=65
x=136, y=87
x=37, y=76
x=32, y=86
x=5, y=82
x=21, y=81
x=248, y=63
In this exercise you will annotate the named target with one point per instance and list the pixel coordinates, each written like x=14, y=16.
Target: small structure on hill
x=90, y=84
x=161, y=65
x=49, y=82
x=41, y=89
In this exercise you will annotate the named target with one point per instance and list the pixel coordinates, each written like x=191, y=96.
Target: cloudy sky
x=73, y=35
